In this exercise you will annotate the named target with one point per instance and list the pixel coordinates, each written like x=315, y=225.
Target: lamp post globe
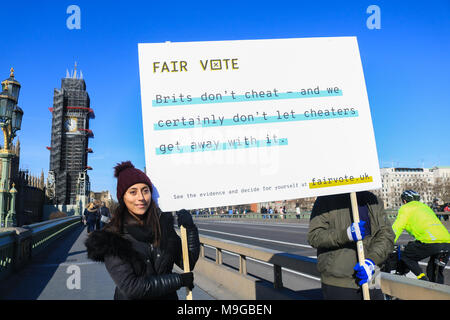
x=12, y=86
x=7, y=103
x=16, y=120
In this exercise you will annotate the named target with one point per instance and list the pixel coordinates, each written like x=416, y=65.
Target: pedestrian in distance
x=105, y=215
x=435, y=208
x=90, y=216
x=431, y=236
x=333, y=234
x=97, y=214
x=447, y=211
x=85, y=215
x=140, y=246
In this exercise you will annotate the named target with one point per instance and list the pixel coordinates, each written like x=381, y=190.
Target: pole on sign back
x=184, y=247
x=359, y=244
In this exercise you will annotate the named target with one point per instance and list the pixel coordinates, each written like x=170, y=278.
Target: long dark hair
x=151, y=220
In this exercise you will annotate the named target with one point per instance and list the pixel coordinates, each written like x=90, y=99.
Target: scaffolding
x=69, y=149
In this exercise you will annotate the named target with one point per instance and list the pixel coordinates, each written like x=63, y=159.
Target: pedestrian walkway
x=53, y=275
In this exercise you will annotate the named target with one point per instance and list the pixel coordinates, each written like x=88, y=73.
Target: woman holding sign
x=139, y=246
x=333, y=234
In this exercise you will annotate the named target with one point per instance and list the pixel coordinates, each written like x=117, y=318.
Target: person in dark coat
x=105, y=215
x=90, y=216
x=334, y=235
x=97, y=215
x=140, y=246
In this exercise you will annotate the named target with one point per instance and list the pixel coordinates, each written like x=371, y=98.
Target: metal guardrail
x=19, y=244
x=393, y=285
x=278, y=259
x=406, y=288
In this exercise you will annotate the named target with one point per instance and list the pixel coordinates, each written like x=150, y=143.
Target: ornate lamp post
x=10, y=121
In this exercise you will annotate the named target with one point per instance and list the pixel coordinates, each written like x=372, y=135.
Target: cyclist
x=431, y=236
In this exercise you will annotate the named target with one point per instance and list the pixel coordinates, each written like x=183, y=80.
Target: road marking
x=260, y=239
x=261, y=227
x=268, y=224
x=289, y=270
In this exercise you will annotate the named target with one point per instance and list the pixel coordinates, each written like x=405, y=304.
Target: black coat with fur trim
x=139, y=270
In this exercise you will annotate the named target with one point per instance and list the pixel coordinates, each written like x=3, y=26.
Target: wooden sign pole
x=184, y=246
x=359, y=244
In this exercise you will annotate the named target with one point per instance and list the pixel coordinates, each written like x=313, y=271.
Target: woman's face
x=137, y=198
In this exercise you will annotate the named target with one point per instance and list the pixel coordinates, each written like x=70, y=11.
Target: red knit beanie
x=127, y=175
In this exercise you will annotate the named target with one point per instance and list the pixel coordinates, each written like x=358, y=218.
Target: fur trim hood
x=101, y=243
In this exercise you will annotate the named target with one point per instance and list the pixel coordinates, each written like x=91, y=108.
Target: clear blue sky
x=406, y=65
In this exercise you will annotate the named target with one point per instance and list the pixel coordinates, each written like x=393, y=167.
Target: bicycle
x=394, y=264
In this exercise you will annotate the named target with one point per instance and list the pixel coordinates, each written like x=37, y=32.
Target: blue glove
x=365, y=271
x=356, y=231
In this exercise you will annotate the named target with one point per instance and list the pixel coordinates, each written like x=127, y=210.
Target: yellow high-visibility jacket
x=421, y=222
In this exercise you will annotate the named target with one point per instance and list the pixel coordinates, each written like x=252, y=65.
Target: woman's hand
x=184, y=219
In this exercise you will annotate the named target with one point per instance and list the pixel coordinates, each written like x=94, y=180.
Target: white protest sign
x=239, y=122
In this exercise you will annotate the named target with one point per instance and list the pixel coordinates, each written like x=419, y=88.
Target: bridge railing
x=412, y=289
x=7, y=240
x=19, y=244
x=277, y=259
x=245, y=286
x=43, y=233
